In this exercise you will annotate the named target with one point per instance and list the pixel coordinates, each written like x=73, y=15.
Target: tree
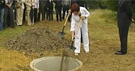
x=93, y=3
x=111, y=4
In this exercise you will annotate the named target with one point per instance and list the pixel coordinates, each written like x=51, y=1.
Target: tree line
x=106, y=4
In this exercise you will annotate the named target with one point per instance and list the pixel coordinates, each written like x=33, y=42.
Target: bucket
x=54, y=63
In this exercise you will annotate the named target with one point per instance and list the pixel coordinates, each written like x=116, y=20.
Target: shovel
x=71, y=46
x=61, y=34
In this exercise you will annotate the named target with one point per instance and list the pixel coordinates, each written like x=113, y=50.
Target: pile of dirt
x=36, y=40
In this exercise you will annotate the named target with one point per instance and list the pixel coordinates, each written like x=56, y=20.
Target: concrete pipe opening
x=54, y=64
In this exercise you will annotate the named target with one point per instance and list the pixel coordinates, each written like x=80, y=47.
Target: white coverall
x=83, y=29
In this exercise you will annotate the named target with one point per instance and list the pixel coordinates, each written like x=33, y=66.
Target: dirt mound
x=36, y=40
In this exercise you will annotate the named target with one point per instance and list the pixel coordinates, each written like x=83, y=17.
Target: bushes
x=93, y=4
x=107, y=4
x=111, y=4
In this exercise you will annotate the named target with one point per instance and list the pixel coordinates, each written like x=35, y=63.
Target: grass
x=10, y=32
x=104, y=40
x=102, y=22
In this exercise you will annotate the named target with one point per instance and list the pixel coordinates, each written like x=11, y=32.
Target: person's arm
x=62, y=2
x=28, y=3
x=47, y=4
x=33, y=3
x=133, y=20
x=72, y=26
x=128, y=8
x=73, y=34
x=37, y=4
x=86, y=13
x=8, y=5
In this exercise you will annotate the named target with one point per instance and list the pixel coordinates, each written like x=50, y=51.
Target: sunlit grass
x=102, y=23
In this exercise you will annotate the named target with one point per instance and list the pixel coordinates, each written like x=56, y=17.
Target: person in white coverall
x=77, y=14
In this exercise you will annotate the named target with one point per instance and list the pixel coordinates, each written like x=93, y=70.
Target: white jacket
x=75, y=18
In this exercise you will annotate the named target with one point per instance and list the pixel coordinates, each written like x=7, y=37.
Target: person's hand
x=9, y=6
x=69, y=11
x=83, y=17
x=32, y=5
x=38, y=10
x=133, y=20
x=79, y=14
x=73, y=38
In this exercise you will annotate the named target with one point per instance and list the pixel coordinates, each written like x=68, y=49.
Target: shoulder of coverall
x=82, y=10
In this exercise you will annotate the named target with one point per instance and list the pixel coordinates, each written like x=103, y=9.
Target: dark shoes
x=120, y=53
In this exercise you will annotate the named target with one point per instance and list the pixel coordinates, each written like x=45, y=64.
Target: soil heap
x=36, y=40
